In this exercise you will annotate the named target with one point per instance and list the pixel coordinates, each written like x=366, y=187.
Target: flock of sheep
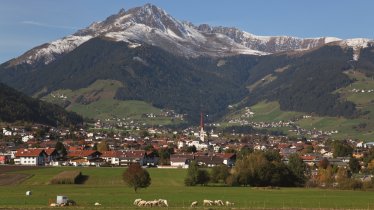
x=154, y=203
x=213, y=203
x=164, y=203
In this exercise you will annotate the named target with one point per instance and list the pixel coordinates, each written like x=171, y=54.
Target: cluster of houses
x=79, y=157
x=131, y=123
x=125, y=149
x=354, y=90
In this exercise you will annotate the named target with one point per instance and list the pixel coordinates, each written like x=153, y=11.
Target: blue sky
x=28, y=23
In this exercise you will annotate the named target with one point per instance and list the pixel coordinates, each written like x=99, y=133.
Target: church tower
x=202, y=133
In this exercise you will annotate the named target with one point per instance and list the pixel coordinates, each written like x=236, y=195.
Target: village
x=39, y=145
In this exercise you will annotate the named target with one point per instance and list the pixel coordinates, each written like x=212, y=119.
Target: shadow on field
x=81, y=179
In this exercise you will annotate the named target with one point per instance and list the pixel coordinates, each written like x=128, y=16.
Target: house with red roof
x=134, y=156
x=229, y=159
x=30, y=157
x=112, y=157
x=84, y=157
x=128, y=157
x=52, y=155
x=181, y=160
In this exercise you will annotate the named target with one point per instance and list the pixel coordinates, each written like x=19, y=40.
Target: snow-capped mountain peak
x=152, y=25
x=148, y=15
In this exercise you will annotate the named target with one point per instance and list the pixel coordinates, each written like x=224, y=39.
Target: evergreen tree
x=354, y=165
x=297, y=167
x=61, y=150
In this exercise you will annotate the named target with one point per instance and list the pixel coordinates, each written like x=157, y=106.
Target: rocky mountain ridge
x=154, y=26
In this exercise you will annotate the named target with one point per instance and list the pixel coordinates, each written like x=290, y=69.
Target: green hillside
x=18, y=107
x=97, y=101
x=358, y=128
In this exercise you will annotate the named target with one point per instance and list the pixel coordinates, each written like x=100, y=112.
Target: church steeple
x=202, y=133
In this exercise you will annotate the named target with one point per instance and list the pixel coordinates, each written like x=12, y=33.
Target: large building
x=31, y=157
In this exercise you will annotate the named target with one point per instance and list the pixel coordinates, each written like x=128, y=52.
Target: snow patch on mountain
x=331, y=39
x=55, y=48
x=356, y=45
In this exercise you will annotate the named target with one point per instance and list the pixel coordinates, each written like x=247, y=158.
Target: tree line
x=256, y=169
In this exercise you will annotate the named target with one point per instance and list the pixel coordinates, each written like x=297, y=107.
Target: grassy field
x=270, y=112
x=105, y=186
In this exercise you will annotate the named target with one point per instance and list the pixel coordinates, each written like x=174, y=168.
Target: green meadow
x=105, y=186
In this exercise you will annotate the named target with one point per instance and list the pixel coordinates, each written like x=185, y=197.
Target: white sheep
x=219, y=203
x=148, y=203
x=137, y=201
x=142, y=203
x=193, y=204
x=208, y=203
x=153, y=203
x=163, y=202
x=228, y=203
x=97, y=204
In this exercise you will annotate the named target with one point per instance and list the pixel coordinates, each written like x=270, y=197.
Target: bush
x=232, y=180
x=67, y=177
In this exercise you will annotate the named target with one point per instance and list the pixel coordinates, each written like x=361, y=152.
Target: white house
x=30, y=157
x=199, y=145
x=112, y=157
x=181, y=144
x=180, y=160
x=27, y=138
x=6, y=132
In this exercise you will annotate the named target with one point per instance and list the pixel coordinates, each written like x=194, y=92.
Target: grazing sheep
x=160, y=202
x=136, y=201
x=163, y=202
x=53, y=204
x=97, y=204
x=148, y=203
x=151, y=203
x=142, y=203
x=208, y=203
x=194, y=204
x=219, y=203
x=228, y=203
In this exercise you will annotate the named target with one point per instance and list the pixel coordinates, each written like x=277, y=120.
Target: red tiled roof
x=81, y=153
x=283, y=145
x=49, y=151
x=308, y=157
x=181, y=157
x=134, y=154
x=29, y=152
x=226, y=155
x=112, y=153
x=72, y=148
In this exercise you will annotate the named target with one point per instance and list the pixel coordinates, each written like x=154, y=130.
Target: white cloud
x=45, y=25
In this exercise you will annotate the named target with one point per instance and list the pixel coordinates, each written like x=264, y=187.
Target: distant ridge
x=17, y=107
